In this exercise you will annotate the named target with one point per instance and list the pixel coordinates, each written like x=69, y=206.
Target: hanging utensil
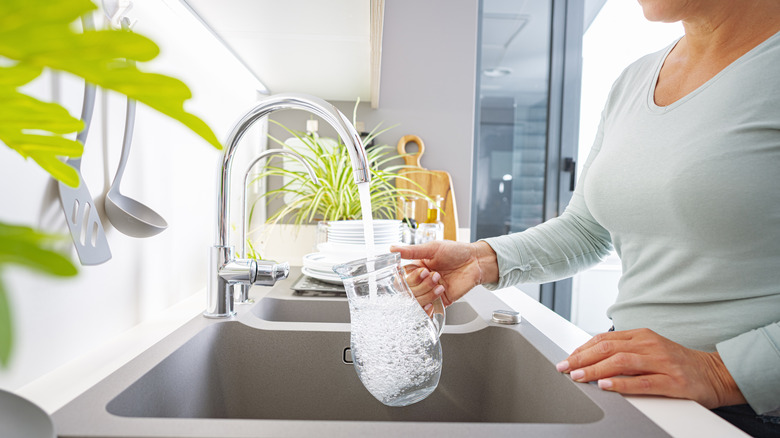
x=126, y=214
x=83, y=221
x=81, y=216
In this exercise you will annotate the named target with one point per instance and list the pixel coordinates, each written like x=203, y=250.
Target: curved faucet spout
x=228, y=269
x=314, y=105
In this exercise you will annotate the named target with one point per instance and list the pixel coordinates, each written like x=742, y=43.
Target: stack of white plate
x=386, y=232
x=345, y=242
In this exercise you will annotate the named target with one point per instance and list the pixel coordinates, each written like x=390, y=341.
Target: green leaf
x=32, y=127
x=6, y=328
x=20, y=113
x=27, y=247
x=18, y=75
x=37, y=34
x=57, y=169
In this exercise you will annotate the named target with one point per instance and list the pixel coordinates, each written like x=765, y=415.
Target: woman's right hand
x=459, y=267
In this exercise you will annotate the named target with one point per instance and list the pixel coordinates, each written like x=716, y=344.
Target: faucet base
x=219, y=315
x=230, y=277
x=241, y=294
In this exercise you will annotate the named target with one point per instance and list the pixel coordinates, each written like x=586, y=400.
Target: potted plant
x=335, y=196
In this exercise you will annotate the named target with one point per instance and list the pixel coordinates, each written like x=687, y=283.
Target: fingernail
x=424, y=273
x=577, y=374
x=428, y=306
x=605, y=384
x=436, y=277
x=439, y=290
x=562, y=366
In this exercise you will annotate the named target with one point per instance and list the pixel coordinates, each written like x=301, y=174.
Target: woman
x=682, y=182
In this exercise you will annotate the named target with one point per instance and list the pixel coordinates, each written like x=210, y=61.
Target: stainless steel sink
x=256, y=376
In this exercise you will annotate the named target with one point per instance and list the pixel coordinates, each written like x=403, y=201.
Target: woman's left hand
x=424, y=284
x=643, y=362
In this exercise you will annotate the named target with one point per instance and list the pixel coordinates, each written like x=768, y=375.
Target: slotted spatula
x=80, y=212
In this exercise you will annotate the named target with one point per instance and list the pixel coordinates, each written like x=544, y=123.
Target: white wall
x=170, y=169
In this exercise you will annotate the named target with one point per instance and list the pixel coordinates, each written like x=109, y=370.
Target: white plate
x=319, y=261
x=388, y=232
x=334, y=279
x=358, y=224
x=346, y=252
x=362, y=243
x=359, y=240
x=319, y=273
x=360, y=230
x=360, y=236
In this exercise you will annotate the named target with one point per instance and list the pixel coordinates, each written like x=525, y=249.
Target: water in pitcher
x=395, y=344
x=395, y=349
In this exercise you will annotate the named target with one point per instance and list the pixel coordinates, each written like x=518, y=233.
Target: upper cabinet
x=331, y=49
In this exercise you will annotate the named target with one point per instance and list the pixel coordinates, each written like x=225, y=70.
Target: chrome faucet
x=226, y=269
x=241, y=289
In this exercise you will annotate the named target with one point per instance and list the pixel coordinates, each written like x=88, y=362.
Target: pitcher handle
x=438, y=317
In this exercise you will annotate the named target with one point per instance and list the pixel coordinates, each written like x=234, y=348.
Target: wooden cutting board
x=433, y=182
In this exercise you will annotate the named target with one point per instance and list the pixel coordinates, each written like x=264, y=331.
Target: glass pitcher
x=395, y=344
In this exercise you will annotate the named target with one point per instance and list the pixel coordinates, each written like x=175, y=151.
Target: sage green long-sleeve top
x=689, y=196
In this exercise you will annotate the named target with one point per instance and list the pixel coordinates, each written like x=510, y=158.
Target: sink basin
x=279, y=305
x=335, y=310
x=232, y=371
x=239, y=377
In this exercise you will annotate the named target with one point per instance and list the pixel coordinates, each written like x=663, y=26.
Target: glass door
x=527, y=113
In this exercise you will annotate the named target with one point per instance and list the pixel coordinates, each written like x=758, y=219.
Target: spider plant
x=335, y=196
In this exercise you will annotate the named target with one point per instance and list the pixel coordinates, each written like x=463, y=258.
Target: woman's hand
x=423, y=283
x=448, y=269
x=643, y=362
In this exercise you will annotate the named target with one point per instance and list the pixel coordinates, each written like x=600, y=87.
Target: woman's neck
x=714, y=38
x=729, y=28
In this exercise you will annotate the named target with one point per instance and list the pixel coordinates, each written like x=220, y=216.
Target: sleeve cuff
x=510, y=271
x=753, y=359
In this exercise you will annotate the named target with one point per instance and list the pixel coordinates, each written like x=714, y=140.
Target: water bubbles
x=395, y=348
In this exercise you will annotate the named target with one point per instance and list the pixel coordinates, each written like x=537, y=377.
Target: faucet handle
x=266, y=273
x=269, y=272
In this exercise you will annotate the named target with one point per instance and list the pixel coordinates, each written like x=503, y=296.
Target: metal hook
x=115, y=12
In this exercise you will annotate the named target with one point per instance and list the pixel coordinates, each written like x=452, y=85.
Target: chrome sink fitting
x=226, y=269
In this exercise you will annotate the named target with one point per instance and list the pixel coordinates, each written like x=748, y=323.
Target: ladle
x=129, y=216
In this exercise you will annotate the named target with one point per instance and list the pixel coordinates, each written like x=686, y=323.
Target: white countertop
x=679, y=418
